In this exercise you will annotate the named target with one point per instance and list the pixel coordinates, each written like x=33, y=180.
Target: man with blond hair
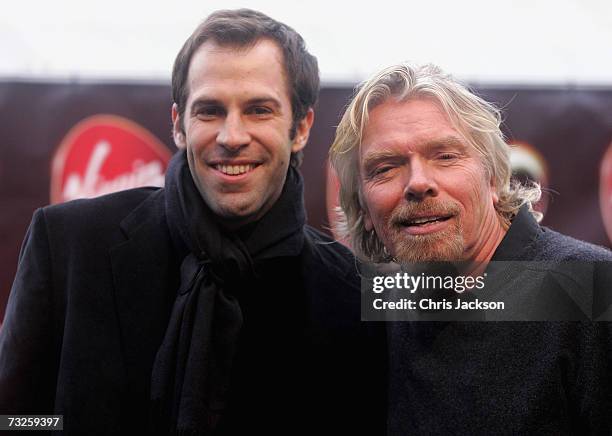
x=425, y=177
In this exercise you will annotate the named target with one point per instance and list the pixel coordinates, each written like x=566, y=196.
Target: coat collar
x=523, y=231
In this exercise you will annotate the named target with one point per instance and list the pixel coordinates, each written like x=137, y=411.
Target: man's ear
x=302, y=132
x=494, y=194
x=177, y=131
x=367, y=220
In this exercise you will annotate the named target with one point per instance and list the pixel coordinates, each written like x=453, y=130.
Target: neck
x=493, y=231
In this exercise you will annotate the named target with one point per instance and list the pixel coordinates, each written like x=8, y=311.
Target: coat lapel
x=145, y=274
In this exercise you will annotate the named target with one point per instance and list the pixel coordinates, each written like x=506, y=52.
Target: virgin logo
x=105, y=154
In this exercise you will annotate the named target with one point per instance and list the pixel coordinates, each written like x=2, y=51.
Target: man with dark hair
x=243, y=31
x=208, y=305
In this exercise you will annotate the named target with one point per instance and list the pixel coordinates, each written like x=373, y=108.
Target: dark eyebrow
x=202, y=102
x=264, y=100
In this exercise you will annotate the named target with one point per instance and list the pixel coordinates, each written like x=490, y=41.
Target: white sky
x=488, y=41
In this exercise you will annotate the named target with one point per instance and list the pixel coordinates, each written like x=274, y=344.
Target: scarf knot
x=225, y=273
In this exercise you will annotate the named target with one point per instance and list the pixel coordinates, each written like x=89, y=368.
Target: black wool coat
x=91, y=301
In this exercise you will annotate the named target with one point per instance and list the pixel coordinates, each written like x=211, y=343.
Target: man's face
x=425, y=191
x=236, y=128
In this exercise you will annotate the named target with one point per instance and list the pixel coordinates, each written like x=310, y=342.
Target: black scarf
x=191, y=372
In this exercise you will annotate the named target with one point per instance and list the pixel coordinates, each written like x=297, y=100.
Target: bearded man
x=425, y=176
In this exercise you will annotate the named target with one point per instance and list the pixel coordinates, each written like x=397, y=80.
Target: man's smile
x=425, y=224
x=235, y=170
x=417, y=221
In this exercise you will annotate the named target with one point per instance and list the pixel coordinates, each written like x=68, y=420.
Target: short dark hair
x=245, y=27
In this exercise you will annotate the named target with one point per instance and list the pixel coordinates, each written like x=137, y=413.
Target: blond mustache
x=410, y=211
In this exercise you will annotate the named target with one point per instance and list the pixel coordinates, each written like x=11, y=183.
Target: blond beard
x=444, y=246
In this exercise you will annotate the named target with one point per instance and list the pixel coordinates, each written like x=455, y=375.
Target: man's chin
x=442, y=249
x=236, y=215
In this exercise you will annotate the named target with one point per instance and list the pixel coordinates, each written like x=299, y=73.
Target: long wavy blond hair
x=477, y=120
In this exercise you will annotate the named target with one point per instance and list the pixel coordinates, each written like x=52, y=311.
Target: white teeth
x=423, y=220
x=234, y=169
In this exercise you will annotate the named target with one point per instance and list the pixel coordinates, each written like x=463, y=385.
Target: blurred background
x=85, y=96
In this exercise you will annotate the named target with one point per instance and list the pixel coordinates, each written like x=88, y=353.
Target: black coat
x=91, y=301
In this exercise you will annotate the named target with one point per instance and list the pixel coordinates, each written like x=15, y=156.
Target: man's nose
x=420, y=182
x=233, y=134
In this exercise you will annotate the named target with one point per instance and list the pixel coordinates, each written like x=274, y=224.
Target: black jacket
x=90, y=304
